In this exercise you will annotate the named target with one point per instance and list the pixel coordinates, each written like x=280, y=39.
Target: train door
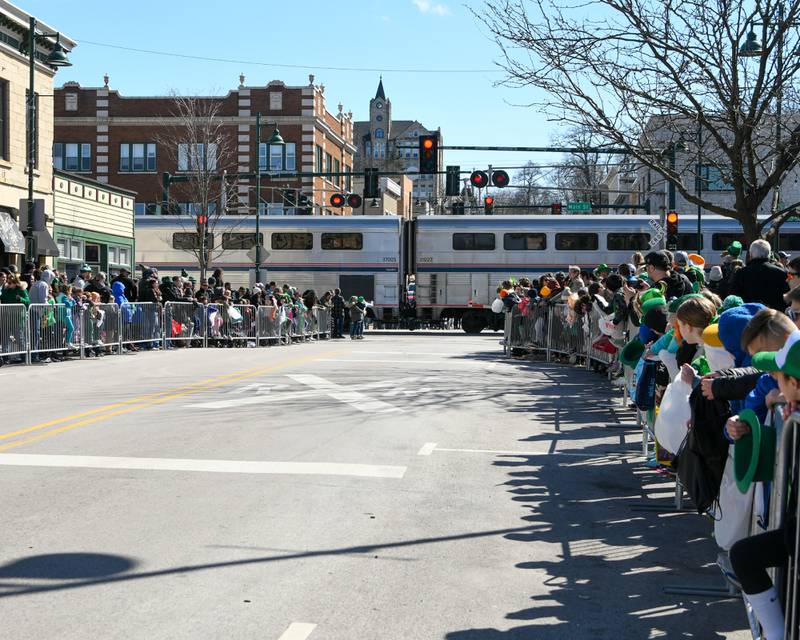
x=353, y=285
x=480, y=288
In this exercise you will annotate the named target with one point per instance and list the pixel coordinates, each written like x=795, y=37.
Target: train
x=455, y=262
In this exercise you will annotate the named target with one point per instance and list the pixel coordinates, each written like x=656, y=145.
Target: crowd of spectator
x=709, y=355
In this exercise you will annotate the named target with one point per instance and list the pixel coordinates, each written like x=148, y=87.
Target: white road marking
x=204, y=466
x=350, y=396
x=427, y=449
x=257, y=399
x=298, y=631
x=259, y=387
x=532, y=453
x=396, y=361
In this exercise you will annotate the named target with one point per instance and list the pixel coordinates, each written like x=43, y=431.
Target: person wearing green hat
x=751, y=557
x=602, y=271
x=358, y=309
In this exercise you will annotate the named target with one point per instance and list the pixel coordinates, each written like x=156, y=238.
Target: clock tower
x=380, y=118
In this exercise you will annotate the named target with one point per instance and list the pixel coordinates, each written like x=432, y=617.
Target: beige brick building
x=13, y=90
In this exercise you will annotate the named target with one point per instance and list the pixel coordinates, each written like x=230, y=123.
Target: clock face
x=379, y=118
x=379, y=105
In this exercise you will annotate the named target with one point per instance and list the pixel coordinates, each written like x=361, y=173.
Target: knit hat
x=654, y=314
x=677, y=302
x=631, y=353
x=716, y=274
x=731, y=326
x=681, y=258
x=601, y=267
x=734, y=249
x=730, y=302
x=754, y=453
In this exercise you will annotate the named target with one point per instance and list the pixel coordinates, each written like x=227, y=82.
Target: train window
x=790, y=242
x=576, y=241
x=241, y=241
x=688, y=242
x=721, y=241
x=191, y=241
x=297, y=241
x=473, y=242
x=628, y=241
x=524, y=241
x=343, y=241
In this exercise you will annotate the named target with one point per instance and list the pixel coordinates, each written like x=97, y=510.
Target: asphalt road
x=399, y=487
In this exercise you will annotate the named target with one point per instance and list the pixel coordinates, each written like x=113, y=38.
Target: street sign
x=579, y=207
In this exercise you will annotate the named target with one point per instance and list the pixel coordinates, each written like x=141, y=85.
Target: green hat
x=754, y=454
x=652, y=302
x=184, y=273
x=602, y=267
x=787, y=360
x=734, y=249
x=701, y=366
x=631, y=353
x=361, y=298
x=677, y=302
x=730, y=302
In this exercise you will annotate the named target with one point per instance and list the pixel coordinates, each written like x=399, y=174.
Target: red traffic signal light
x=337, y=200
x=429, y=154
x=488, y=204
x=500, y=178
x=479, y=179
x=354, y=200
x=672, y=230
x=555, y=209
x=202, y=219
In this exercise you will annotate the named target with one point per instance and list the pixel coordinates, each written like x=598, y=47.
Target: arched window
x=379, y=133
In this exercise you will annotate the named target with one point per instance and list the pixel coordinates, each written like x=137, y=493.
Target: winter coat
x=15, y=295
x=100, y=288
x=735, y=384
x=39, y=292
x=676, y=284
x=757, y=398
x=130, y=287
x=338, y=305
x=761, y=281
x=357, y=311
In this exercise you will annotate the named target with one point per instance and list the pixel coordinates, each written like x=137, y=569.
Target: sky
x=400, y=37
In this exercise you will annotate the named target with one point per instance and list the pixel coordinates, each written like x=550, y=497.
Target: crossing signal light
x=337, y=200
x=305, y=205
x=479, y=179
x=555, y=209
x=500, y=178
x=672, y=230
x=428, y=154
x=371, y=187
x=488, y=205
x=452, y=186
x=202, y=219
x=354, y=200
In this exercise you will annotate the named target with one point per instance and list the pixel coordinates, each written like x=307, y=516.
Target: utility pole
x=258, y=198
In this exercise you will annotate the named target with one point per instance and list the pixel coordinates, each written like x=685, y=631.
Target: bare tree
x=580, y=175
x=197, y=143
x=664, y=82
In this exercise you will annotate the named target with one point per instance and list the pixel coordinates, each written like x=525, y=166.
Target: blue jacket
x=756, y=399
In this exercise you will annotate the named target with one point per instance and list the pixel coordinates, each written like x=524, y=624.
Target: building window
x=628, y=241
x=137, y=157
x=379, y=133
x=712, y=179
x=4, y=119
x=191, y=241
x=70, y=250
x=319, y=159
x=71, y=102
x=72, y=156
x=328, y=166
x=275, y=100
x=524, y=241
x=348, y=179
x=721, y=241
x=473, y=242
x=576, y=242
x=197, y=157
x=92, y=253
x=277, y=157
x=367, y=149
x=240, y=241
x=343, y=241
x=292, y=241
x=337, y=168
x=32, y=151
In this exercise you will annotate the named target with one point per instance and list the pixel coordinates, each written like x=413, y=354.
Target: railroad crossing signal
x=488, y=205
x=479, y=179
x=672, y=230
x=337, y=200
x=452, y=183
x=500, y=178
x=428, y=154
x=354, y=200
x=555, y=209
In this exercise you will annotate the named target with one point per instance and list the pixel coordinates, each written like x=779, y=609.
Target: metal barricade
x=99, y=326
x=140, y=322
x=184, y=323
x=324, y=322
x=13, y=330
x=567, y=335
x=49, y=326
x=230, y=323
x=269, y=324
x=594, y=333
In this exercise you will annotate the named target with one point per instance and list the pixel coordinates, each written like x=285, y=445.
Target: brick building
x=118, y=139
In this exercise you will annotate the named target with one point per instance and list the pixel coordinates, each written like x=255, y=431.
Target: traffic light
x=371, y=187
x=202, y=220
x=337, y=200
x=458, y=208
x=479, y=179
x=453, y=181
x=500, y=178
x=488, y=205
x=354, y=200
x=672, y=230
x=428, y=154
x=289, y=197
x=305, y=205
x=555, y=209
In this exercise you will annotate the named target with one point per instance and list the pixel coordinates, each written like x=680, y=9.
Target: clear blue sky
x=387, y=34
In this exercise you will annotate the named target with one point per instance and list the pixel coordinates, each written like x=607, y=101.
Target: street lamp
x=56, y=58
x=275, y=139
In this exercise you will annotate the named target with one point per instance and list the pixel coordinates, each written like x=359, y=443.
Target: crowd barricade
x=98, y=326
x=269, y=324
x=140, y=322
x=49, y=326
x=184, y=323
x=324, y=321
x=13, y=330
x=232, y=323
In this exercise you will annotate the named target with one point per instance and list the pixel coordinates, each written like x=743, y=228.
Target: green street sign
x=579, y=207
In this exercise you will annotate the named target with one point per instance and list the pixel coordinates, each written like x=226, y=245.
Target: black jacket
x=677, y=285
x=735, y=384
x=130, y=287
x=761, y=281
x=338, y=305
x=106, y=295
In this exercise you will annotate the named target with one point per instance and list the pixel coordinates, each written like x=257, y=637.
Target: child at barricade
x=693, y=315
x=752, y=556
x=65, y=298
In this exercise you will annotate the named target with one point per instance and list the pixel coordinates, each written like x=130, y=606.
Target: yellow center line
x=146, y=401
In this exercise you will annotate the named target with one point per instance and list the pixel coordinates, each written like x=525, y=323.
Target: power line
x=308, y=67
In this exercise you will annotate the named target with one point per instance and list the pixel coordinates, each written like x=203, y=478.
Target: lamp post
x=275, y=139
x=56, y=58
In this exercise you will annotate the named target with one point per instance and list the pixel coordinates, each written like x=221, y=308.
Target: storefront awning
x=45, y=245
x=13, y=240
